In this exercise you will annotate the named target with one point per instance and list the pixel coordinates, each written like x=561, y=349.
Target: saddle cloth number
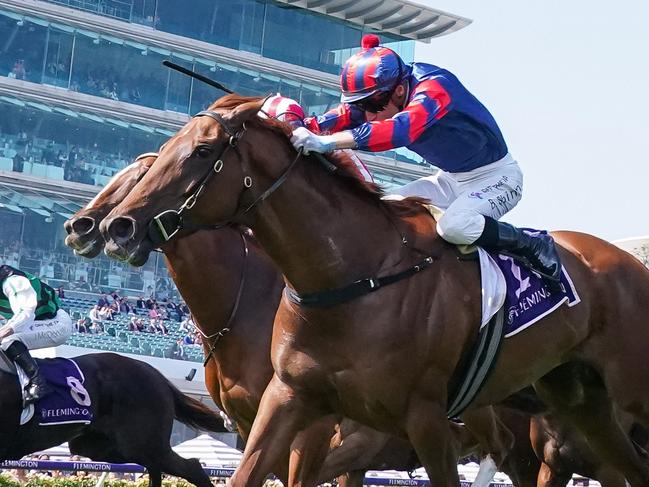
x=78, y=392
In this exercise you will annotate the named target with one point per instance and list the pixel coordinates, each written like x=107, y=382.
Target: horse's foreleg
x=351, y=479
x=579, y=395
x=430, y=434
x=280, y=417
x=495, y=438
x=308, y=452
x=549, y=478
x=358, y=451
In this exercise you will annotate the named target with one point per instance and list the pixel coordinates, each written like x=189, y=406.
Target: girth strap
x=474, y=370
x=326, y=299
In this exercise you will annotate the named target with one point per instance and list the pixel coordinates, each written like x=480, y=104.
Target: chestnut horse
x=222, y=279
x=386, y=357
x=561, y=448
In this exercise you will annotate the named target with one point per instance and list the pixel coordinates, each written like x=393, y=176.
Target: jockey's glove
x=306, y=140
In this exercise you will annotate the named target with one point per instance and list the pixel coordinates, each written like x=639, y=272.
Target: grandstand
x=83, y=91
x=116, y=336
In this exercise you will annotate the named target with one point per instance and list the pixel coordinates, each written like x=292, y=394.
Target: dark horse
x=134, y=407
x=229, y=282
x=386, y=358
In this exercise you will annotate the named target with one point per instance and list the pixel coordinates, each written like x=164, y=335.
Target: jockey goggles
x=375, y=103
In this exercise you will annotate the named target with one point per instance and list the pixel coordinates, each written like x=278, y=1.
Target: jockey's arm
x=22, y=300
x=343, y=117
x=429, y=103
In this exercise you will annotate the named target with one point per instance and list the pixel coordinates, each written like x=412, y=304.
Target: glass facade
x=33, y=242
x=62, y=144
x=264, y=27
x=121, y=70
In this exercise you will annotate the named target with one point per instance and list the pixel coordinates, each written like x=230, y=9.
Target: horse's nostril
x=82, y=225
x=121, y=229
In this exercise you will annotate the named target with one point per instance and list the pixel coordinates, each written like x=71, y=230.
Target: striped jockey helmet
x=372, y=70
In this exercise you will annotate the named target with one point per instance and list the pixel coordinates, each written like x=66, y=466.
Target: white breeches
x=42, y=333
x=467, y=197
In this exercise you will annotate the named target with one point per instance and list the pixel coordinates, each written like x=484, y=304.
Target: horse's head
x=82, y=228
x=203, y=176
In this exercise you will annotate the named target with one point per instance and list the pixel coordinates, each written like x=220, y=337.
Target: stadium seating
x=118, y=338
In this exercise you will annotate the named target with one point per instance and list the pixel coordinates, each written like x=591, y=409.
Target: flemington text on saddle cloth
x=528, y=298
x=69, y=402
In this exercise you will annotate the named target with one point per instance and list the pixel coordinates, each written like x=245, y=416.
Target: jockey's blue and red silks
x=442, y=122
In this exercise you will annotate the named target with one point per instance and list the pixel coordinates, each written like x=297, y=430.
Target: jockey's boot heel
x=537, y=251
x=36, y=387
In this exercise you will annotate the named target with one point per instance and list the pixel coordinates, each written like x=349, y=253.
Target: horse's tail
x=194, y=413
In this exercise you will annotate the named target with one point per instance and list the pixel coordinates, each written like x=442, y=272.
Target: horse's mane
x=346, y=168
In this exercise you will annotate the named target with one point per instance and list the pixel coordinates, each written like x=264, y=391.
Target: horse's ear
x=245, y=112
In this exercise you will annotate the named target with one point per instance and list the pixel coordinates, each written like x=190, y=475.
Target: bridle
x=216, y=337
x=164, y=226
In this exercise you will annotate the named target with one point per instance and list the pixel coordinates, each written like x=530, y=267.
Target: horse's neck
x=324, y=234
x=207, y=269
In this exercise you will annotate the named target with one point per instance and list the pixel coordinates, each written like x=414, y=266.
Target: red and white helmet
x=283, y=109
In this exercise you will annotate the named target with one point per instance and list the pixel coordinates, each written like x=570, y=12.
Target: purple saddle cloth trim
x=69, y=401
x=528, y=297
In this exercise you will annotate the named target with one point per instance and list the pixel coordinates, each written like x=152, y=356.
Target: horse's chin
x=84, y=247
x=138, y=259
x=90, y=254
x=136, y=255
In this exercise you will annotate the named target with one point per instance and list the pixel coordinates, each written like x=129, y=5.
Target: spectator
x=153, y=314
x=162, y=328
x=18, y=163
x=124, y=306
x=83, y=285
x=82, y=325
x=135, y=324
x=106, y=313
x=96, y=327
x=18, y=71
x=94, y=315
x=61, y=159
x=162, y=313
x=187, y=325
x=60, y=292
x=140, y=302
x=153, y=327
x=178, y=350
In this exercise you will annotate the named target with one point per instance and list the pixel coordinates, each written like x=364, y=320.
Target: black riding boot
x=37, y=387
x=538, y=251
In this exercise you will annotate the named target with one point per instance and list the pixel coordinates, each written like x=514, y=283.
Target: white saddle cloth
x=493, y=286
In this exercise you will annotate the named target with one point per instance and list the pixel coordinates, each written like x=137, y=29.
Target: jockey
x=387, y=104
x=34, y=320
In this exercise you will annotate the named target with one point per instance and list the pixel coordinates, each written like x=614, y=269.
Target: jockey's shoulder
x=423, y=71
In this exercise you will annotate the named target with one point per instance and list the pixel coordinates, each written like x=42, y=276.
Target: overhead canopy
x=40, y=201
x=401, y=17
x=210, y=452
x=90, y=116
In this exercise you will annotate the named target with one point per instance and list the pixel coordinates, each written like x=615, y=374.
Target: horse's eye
x=203, y=151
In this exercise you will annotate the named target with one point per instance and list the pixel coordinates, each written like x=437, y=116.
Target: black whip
x=199, y=77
